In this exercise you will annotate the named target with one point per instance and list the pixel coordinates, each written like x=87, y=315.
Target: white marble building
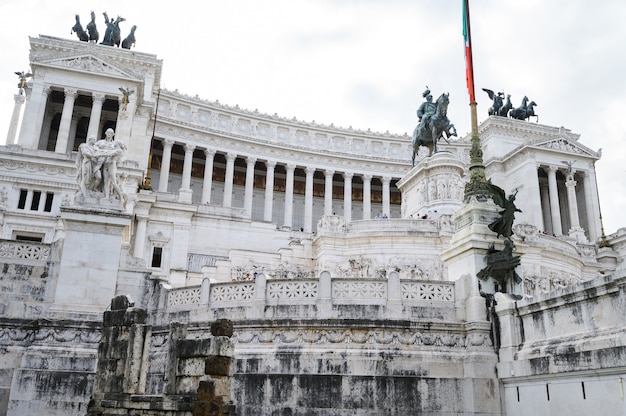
x=277, y=224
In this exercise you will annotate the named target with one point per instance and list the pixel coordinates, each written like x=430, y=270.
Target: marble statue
x=97, y=168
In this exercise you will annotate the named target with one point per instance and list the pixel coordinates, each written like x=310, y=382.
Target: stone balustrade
x=249, y=298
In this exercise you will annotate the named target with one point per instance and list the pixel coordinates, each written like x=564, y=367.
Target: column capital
x=309, y=171
x=270, y=164
x=367, y=177
x=168, y=143
x=329, y=172
x=209, y=152
x=348, y=175
x=553, y=169
x=46, y=90
x=290, y=167
x=19, y=98
x=386, y=179
x=251, y=160
x=189, y=148
x=230, y=157
x=98, y=97
x=70, y=92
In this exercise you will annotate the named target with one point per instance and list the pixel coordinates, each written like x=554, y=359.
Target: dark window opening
x=34, y=205
x=29, y=238
x=22, y=202
x=48, y=206
x=157, y=253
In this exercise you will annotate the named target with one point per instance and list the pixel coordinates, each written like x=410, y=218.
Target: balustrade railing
x=337, y=291
x=23, y=250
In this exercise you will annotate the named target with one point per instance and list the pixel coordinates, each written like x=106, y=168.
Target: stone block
x=201, y=348
x=218, y=366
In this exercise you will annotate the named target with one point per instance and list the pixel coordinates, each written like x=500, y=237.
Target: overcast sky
x=365, y=63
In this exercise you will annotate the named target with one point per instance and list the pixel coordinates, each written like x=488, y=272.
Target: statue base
x=99, y=202
x=87, y=277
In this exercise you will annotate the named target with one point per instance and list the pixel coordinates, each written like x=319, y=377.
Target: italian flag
x=469, y=67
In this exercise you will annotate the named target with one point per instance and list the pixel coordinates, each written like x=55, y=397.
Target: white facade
x=261, y=219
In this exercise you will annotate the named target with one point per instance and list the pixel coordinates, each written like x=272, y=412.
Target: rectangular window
x=30, y=238
x=34, y=205
x=49, y=198
x=157, y=253
x=22, y=202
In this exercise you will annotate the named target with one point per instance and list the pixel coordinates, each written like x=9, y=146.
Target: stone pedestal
x=89, y=265
x=467, y=253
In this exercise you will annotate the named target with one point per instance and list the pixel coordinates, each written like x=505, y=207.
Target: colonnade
x=42, y=109
x=185, y=191
x=564, y=197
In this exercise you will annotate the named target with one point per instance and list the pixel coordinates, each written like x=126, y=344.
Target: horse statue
x=116, y=36
x=91, y=28
x=504, y=110
x=80, y=32
x=428, y=133
x=525, y=111
x=130, y=39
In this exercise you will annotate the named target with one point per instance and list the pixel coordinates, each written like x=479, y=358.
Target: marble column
x=545, y=208
x=288, y=214
x=347, y=195
x=66, y=120
x=269, y=190
x=386, y=196
x=328, y=192
x=575, y=231
x=208, y=176
x=555, y=209
x=367, y=197
x=15, y=118
x=228, y=179
x=308, y=200
x=33, y=118
x=185, y=193
x=96, y=113
x=164, y=175
x=249, y=191
x=140, y=236
x=591, y=204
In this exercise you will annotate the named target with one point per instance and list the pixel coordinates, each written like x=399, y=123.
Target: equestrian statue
x=433, y=124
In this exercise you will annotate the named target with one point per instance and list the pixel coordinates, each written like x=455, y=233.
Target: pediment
x=88, y=64
x=566, y=146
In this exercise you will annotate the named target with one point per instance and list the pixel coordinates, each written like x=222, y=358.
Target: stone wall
x=195, y=374
x=565, y=349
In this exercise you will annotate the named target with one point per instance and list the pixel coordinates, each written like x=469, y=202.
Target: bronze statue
x=91, y=28
x=23, y=77
x=112, y=34
x=433, y=124
x=503, y=225
x=525, y=111
x=126, y=93
x=494, y=110
x=130, y=39
x=501, y=264
x=80, y=32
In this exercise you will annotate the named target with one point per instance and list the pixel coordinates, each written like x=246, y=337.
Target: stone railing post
x=205, y=292
x=257, y=310
x=394, y=295
x=325, y=295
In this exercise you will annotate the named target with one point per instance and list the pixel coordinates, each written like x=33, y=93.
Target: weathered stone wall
x=565, y=349
x=364, y=367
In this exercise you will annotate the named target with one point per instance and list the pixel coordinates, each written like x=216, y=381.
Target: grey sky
x=365, y=63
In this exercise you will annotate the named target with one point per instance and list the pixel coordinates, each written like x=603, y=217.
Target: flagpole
x=477, y=182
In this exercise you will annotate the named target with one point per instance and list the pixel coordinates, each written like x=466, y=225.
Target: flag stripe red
x=469, y=66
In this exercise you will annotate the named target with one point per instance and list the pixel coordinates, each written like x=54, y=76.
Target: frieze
x=566, y=146
x=48, y=336
x=356, y=337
